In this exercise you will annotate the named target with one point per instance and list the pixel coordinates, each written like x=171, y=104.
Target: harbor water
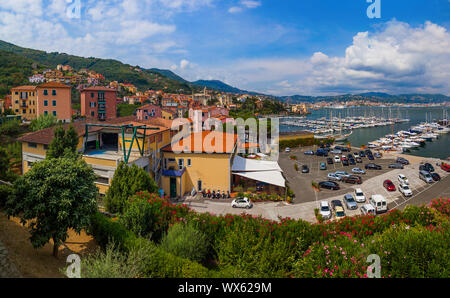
x=439, y=148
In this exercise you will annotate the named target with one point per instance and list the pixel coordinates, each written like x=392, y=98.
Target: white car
x=405, y=190
x=287, y=150
x=325, y=210
x=337, y=159
x=359, y=196
x=355, y=154
x=402, y=179
x=367, y=210
x=358, y=171
x=242, y=203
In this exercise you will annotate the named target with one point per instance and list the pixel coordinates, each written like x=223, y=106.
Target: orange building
x=55, y=99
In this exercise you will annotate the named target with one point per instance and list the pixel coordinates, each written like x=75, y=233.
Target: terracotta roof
x=28, y=87
x=53, y=85
x=45, y=136
x=98, y=88
x=204, y=142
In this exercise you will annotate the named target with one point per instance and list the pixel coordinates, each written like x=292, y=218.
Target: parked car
x=345, y=149
x=355, y=154
x=429, y=167
x=329, y=185
x=335, y=151
x=367, y=210
x=359, y=196
x=403, y=161
x=242, y=203
x=402, y=179
x=377, y=155
x=396, y=166
x=305, y=169
x=425, y=176
x=351, y=161
x=445, y=167
x=349, y=156
x=343, y=157
x=362, y=154
x=379, y=203
x=405, y=190
x=389, y=185
x=359, y=160
x=370, y=157
x=358, y=171
x=342, y=174
x=353, y=179
x=325, y=210
x=337, y=159
x=321, y=152
x=368, y=151
x=287, y=149
x=323, y=166
x=330, y=161
x=345, y=163
x=336, y=203
x=435, y=176
x=338, y=208
x=350, y=202
x=372, y=166
x=334, y=177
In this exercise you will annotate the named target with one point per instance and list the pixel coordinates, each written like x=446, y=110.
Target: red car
x=389, y=185
x=445, y=167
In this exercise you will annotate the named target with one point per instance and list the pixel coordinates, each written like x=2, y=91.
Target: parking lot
x=372, y=184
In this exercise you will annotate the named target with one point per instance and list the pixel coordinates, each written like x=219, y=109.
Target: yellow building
x=103, y=147
x=24, y=101
x=205, y=166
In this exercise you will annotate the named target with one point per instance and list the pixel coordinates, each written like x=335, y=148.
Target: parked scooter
x=204, y=193
x=228, y=195
x=209, y=194
x=224, y=196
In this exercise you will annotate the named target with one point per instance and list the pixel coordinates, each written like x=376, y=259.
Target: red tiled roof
x=99, y=88
x=28, y=87
x=53, y=85
x=204, y=142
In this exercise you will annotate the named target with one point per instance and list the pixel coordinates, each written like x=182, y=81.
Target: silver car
x=350, y=202
x=358, y=171
x=334, y=177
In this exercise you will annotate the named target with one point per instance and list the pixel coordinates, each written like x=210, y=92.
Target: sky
x=278, y=47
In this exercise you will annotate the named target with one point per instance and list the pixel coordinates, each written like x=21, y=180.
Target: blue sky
x=310, y=47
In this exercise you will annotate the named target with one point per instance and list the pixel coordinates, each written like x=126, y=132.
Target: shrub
x=296, y=167
x=441, y=205
x=5, y=192
x=239, y=189
x=185, y=241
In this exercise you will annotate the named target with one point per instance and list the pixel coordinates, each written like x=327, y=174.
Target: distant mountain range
x=17, y=63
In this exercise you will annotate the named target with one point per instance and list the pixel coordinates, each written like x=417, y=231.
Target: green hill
x=113, y=70
x=14, y=71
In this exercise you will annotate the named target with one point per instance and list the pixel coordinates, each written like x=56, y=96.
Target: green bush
x=138, y=218
x=185, y=241
x=5, y=192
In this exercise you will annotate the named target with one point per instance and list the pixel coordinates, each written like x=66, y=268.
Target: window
x=17, y=111
x=146, y=117
x=54, y=113
x=180, y=164
x=45, y=147
x=159, y=138
x=29, y=164
x=46, y=113
x=45, y=103
x=45, y=92
x=92, y=95
x=54, y=103
x=189, y=163
x=17, y=101
x=102, y=180
x=32, y=145
x=24, y=111
x=101, y=95
x=172, y=160
x=199, y=185
x=93, y=114
x=93, y=104
x=54, y=92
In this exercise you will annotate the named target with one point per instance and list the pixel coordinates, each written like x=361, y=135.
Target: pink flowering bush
x=441, y=205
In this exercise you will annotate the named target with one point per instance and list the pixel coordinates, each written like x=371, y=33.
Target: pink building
x=99, y=103
x=209, y=112
x=148, y=111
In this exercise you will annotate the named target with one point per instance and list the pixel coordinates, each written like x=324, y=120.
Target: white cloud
x=251, y=4
x=184, y=64
x=235, y=9
x=244, y=4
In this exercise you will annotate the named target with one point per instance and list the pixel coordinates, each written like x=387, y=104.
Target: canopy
x=269, y=177
x=241, y=164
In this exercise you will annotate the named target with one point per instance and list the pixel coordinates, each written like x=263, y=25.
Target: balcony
x=174, y=173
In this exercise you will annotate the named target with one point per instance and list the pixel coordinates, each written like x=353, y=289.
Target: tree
x=54, y=196
x=43, y=121
x=63, y=143
x=127, y=181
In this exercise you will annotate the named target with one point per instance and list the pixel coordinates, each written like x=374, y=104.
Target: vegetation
x=127, y=181
x=303, y=142
x=64, y=143
x=14, y=71
x=124, y=109
x=54, y=196
x=43, y=121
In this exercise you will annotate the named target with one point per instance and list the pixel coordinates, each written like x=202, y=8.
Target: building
x=54, y=99
x=202, y=98
x=196, y=165
x=103, y=147
x=24, y=102
x=148, y=111
x=99, y=103
x=36, y=79
x=169, y=114
x=225, y=100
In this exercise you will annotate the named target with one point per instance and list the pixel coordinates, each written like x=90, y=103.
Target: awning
x=269, y=177
x=241, y=164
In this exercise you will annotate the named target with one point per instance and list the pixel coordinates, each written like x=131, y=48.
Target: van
x=425, y=176
x=379, y=203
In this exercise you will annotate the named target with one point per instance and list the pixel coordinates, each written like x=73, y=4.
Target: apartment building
x=24, y=101
x=99, y=103
x=148, y=111
x=54, y=98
